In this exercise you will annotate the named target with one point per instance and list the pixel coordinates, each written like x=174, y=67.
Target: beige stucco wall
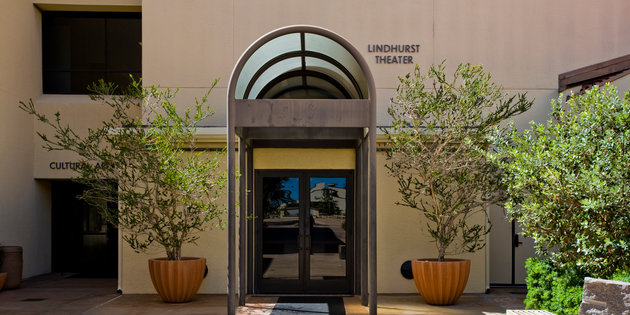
x=212, y=244
x=401, y=232
x=622, y=84
x=24, y=202
x=186, y=44
x=402, y=236
x=80, y=113
x=134, y=276
x=524, y=44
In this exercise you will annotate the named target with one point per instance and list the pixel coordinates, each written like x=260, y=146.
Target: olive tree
x=166, y=187
x=437, y=120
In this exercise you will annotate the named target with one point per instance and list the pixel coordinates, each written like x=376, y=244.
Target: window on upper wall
x=79, y=48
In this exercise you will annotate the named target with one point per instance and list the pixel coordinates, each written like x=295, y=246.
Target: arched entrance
x=302, y=90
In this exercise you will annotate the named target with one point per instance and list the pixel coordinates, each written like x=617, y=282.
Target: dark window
x=79, y=48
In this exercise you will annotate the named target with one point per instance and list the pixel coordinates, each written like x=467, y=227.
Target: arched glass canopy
x=301, y=65
x=301, y=86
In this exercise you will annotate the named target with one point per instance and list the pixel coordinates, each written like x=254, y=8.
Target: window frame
x=50, y=67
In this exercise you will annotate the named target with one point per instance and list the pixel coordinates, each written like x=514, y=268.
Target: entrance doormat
x=309, y=305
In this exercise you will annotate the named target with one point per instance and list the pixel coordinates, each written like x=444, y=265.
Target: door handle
x=515, y=240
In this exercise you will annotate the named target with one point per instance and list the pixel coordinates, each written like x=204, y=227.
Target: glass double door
x=304, y=232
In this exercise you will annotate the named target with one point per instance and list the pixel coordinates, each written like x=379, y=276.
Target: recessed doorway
x=83, y=244
x=304, y=232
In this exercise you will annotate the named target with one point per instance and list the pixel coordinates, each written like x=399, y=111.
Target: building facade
x=51, y=48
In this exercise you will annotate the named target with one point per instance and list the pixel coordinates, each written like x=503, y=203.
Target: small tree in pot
x=167, y=189
x=437, y=121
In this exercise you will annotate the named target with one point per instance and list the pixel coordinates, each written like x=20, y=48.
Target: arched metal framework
x=342, y=110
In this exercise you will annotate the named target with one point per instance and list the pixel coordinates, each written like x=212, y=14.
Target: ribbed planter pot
x=3, y=278
x=440, y=282
x=177, y=281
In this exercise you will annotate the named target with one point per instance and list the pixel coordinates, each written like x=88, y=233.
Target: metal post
x=242, y=225
x=231, y=214
x=372, y=218
x=250, y=214
x=364, y=220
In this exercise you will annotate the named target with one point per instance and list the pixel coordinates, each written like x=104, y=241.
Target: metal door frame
x=304, y=285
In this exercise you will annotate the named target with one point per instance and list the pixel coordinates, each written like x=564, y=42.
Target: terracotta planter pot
x=3, y=277
x=177, y=281
x=12, y=265
x=440, y=283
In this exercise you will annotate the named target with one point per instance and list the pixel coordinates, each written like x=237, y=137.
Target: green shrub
x=551, y=288
x=567, y=181
x=540, y=275
x=621, y=275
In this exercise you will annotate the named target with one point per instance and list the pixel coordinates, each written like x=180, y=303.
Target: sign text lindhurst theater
x=393, y=53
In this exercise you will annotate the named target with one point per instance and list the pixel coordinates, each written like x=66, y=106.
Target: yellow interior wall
x=401, y=232
x=402, y=236
x=311, y=159
x=134, y=275
x=133, y=267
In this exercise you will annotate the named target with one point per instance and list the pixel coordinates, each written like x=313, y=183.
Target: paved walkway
x=55, y=294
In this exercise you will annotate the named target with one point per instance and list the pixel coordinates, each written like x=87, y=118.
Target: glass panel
x=280, y=89
x=280, y=229
x=318, y=84
x=293, y=88
x=87, y=49
x=273, y=72
x=271, y=49
x=328, y=227
x=327, y=46
x=292, y=43
x=329, y=69
x=124, y=51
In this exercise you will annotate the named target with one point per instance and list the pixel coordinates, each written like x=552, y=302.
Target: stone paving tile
x=258, y=305
x=468, y=304
x=153, y=304
x=55, y=294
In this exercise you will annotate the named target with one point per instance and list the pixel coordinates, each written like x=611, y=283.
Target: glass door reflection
x=304, y=236
x=327, y=201
x=281, y=228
